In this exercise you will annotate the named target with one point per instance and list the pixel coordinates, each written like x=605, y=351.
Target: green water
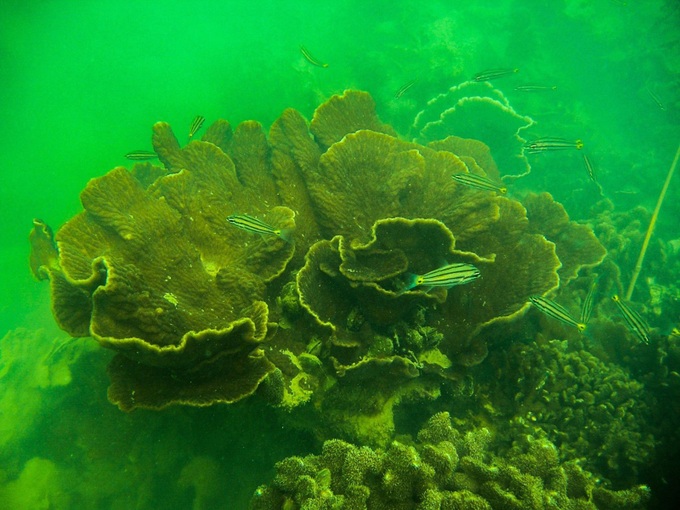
x=83, y=82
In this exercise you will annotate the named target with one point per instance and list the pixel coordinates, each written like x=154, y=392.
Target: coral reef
x=238, y=348
x=201, y=312
x=445, y=468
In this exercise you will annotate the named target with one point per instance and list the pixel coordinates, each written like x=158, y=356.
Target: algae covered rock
x=39, y=485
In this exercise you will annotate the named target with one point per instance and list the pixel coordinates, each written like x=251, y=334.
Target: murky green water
x=83, y=83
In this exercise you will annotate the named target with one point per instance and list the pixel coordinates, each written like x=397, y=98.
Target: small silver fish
x=535, y=88
x=552, y=309
x=141, y=155
x=492, y=74
x=257, y=226
x=479, y=182
x=551, y=144
x=447, y=276
x=196, y=125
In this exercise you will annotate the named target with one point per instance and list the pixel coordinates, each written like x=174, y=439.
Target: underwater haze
x=429, y=259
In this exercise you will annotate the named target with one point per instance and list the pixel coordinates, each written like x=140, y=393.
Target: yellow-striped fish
x=447, y=276
x=492, y=74
x=552, y=309
x=636, y=324
x=141, y=155
x=310, y=58
x=257, y=226
x=479, y=182
x=196, y=125
x=552, y=144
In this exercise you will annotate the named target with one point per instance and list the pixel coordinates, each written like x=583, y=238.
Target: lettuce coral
x=577, y=245
x=200, y=311
x=478, y=111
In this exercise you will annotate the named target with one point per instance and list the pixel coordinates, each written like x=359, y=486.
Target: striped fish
x=635, y=323
x=552, y=309
x=656, y=99
x=310, y=58
x=141, y=155
x=535, y=88
x=589, y=168
x=196, y=125
x=552, y=144
x=257, y=226
x=492, y=74
x=447, y=276
x=479, y=182
x=402, y=90
x=587, y=305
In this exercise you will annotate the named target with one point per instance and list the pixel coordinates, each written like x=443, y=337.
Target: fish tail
x=408, y=282
x=286, y=234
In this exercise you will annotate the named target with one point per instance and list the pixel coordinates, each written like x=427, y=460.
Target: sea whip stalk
x=650, y=229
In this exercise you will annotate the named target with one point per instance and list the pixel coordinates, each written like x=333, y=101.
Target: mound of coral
x=445, y=468
x=201, y=312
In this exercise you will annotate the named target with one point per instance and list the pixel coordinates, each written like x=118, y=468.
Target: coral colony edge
x=375, y=290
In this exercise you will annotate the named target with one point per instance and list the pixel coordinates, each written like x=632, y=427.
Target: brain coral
x=197, y=308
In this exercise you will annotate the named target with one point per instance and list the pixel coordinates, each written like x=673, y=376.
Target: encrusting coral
x=200, y=311
x=591, y=410
x=445, y=468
